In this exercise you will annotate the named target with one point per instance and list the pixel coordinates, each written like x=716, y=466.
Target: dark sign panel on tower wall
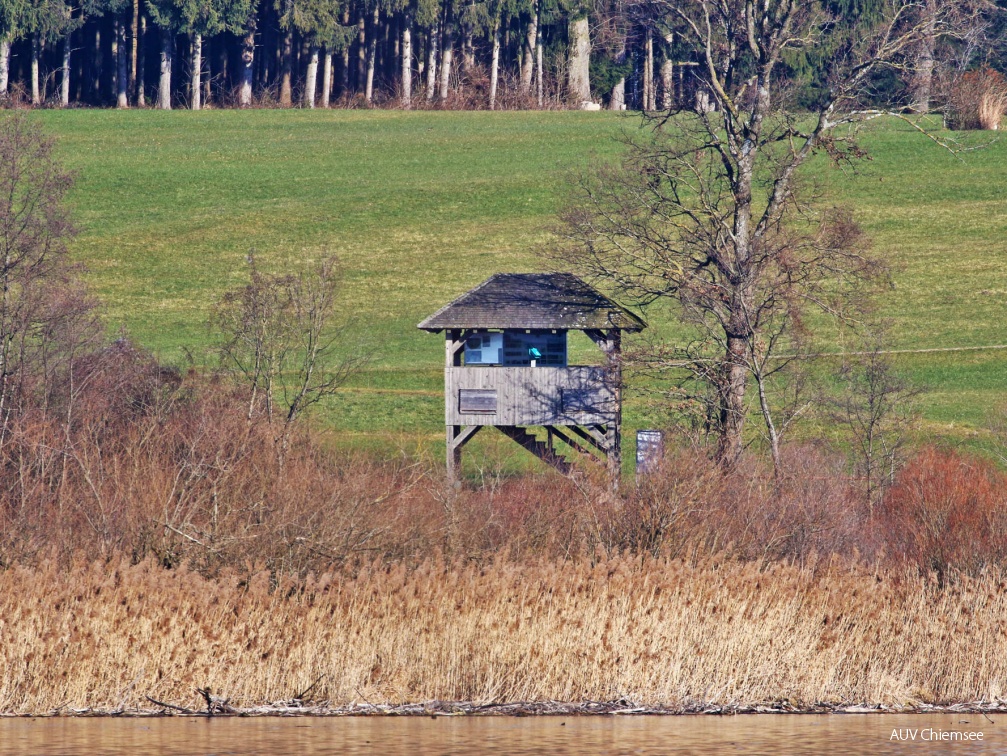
x=479, y=401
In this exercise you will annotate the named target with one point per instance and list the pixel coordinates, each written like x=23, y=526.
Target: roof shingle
x=533, y=300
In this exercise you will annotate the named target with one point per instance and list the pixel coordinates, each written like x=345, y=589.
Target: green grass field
x=422, y=206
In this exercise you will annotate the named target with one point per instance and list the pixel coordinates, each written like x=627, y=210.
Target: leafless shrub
x=669, y=507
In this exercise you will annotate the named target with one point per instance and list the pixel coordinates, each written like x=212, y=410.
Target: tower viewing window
x=516, y=349
x=546, y=349
x=484, y=349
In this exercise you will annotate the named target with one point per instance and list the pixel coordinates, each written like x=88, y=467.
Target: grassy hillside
x=422, y=206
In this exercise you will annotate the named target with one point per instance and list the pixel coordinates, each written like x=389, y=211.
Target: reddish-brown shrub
x=690, y=505
x=946, y=512
x=671, y=508
x=133, y=458
x=120, y=455
x=977, y=100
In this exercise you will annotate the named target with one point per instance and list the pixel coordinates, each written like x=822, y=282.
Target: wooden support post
x=454, y=455
x=457, y=437
x=453, y=344
x=614, y=436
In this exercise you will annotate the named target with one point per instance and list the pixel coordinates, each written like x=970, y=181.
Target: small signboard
x=649, y=450
x=477, y=401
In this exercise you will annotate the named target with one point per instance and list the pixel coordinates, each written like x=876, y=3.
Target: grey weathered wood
x=554, y=431
x=466, y=435
x=454, y=455
x=454, y=344
x=457, y=437
x=533, y=300
x=595, y=440
x=533, y=395
x=613, y=353
x=543, y=451
x=477, y=401
x=574, y=403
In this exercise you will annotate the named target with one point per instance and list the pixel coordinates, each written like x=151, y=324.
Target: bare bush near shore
x=976, y=100
x=658, y=632
x=947, y=513
x=157, y=466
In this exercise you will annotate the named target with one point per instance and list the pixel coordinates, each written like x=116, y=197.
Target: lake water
x=745, y=734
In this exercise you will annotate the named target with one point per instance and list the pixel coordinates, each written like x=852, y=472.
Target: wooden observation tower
x=506, y=365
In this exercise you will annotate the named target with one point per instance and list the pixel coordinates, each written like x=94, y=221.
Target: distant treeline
x=404, y=53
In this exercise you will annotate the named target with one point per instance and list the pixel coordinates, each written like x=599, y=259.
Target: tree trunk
x=668, y=75
x=528, y=53
x=730, y=443
x=344, y=75
x=141, y=65
x=344, y=79
x=327, y=78
x=446, y=58
x=617, y=98
x=196, y=72
x=738, y=333
x=286, y=63
x=95, y=77
x=311, y=80
x=468, y=50
x=361, y=52
x=923, y=76
x=579, y=61
x=432, y=64
x=134, y=45
x=539, y=84
x=121, y=65
x=648, y=72
x=4, y=68
x=372, y=57
x=495, y=64
x=395, y=59
x=64, y=83
x=771, y=431
x=36, y=96
x=208, y=48
x=407, y=65
x=167, y=56
x=385, y=50
x=247, y=64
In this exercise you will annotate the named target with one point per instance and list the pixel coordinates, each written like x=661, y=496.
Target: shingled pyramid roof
x=533, y=300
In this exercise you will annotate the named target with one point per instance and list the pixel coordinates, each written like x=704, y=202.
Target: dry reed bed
x=654, y=632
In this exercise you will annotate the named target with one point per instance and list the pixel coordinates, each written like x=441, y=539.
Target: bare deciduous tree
x=876, y=409
x=282, y=339
x=46, y=318
x=253, y=320
x=707, y=212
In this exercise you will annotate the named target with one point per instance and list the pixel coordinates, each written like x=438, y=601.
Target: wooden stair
x=539, y=448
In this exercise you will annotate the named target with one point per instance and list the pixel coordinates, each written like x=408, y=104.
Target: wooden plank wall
x=534, y=395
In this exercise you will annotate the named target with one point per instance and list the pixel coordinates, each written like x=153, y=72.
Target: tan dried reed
x=656, y=631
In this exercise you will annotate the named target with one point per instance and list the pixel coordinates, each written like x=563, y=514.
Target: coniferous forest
x=460, y=54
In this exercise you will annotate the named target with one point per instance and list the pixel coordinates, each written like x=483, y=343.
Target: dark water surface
x=747, y=734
